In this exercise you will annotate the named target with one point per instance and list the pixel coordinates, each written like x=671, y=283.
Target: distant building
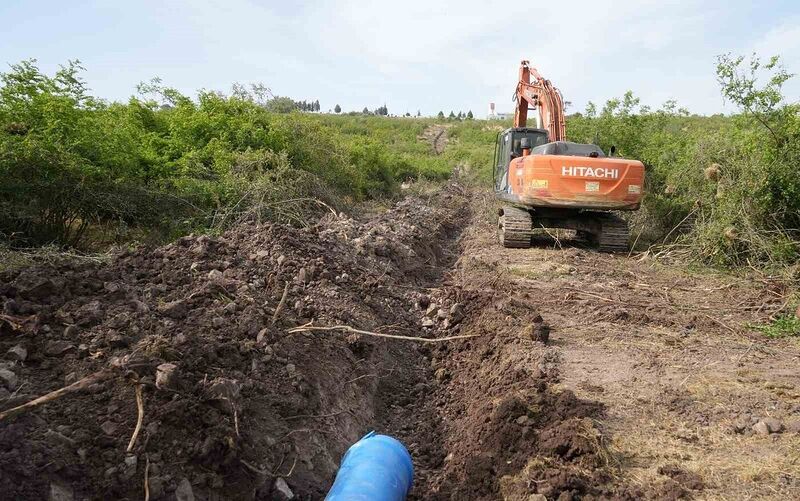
x=493, y=115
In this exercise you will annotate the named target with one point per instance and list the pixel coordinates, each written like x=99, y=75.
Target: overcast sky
x=411, y=54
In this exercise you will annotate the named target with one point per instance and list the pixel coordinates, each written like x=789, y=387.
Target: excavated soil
x=555, y=394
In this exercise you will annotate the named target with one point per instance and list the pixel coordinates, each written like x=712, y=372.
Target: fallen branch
x=140, y=417
x=280, y=304
x=347, y=328
x=147, y=478
x=77, y=386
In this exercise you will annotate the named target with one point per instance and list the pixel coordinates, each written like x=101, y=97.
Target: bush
x=72, y=164
x=733, y=177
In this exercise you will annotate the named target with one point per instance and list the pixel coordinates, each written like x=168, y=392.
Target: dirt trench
x=237, y=407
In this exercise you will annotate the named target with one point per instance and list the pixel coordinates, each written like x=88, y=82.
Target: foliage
x=734, y=176
x=785, y=326
x=74, y=168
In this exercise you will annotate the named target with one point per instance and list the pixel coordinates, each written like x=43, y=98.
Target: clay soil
x=651, y=383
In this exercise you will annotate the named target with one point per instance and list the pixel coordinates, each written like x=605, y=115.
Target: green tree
x=281, y=105
x=337, y=109
x=452, y=116
x=470, y=116
x=440, y=115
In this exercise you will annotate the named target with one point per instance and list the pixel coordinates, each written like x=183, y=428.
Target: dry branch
x=280, y=304
x=139, y=418
x=77, y=386
x=347, y=328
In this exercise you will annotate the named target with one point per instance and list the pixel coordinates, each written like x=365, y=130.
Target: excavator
x=545, y=181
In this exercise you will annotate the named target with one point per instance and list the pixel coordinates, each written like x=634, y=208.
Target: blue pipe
x=376, y=468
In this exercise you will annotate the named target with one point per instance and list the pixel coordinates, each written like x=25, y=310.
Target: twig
x=235, y=419
x=317, y=416
x=347, y=328
x=147, y=478
x=140, y=417
x=359, y=377
x=280, y=304
x=53, y=395
x=719, y=322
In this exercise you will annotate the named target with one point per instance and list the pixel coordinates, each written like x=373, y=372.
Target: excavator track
x=514, y=228
x=614, y=234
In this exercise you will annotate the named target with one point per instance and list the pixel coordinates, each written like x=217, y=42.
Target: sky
x=425, y=55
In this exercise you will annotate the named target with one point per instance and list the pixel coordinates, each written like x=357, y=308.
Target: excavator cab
x=508, y=146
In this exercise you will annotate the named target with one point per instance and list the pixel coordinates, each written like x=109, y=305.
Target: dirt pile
x=232, y=403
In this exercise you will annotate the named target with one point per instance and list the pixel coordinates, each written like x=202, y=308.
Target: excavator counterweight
x=549, y=182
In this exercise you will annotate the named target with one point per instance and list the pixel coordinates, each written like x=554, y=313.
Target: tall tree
x=440, y=115
x=470, y=116
x=337, y=109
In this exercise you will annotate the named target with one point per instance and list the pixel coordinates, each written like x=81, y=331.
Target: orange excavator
x=546, y=181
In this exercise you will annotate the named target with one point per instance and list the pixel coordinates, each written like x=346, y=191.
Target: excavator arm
x=541, y=95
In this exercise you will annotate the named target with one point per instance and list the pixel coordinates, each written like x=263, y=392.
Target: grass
x=784, y=326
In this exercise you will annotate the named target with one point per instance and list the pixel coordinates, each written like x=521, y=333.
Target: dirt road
x=651, y=385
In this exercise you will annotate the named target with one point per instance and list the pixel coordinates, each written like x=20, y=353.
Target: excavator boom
x=540, y=95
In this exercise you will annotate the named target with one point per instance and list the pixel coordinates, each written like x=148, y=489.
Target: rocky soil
x=543, y=393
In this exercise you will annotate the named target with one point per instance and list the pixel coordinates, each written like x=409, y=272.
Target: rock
x=215, y=275
x=537, y=497
x=139, y=306
x=291, y=369
x=522, y=419
x=281, y=259
x=116, y=340
x=43, y=289
x=83, y=454
x=8, y=379
x=224, y=389
x=56, y=348
x=55, y=437
x=17, y=353
x=761, y=428
x=302, y=276
x=428, y=322
x=175, y=309
x=441, y=374
x=167, y=376
x=217, y=322
x=262, y=335
x=61, y=492
x=184, y=491
x=71, y=331
x=793, y=427
x=4, y=395
x=774, y=425
x=456, y=313
x=537, y=331
x=432, y=310
x=131, y=461
x=441, y=314
x=109, y=428
x=282, y=490
x=114, y=290
x=230, y=307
